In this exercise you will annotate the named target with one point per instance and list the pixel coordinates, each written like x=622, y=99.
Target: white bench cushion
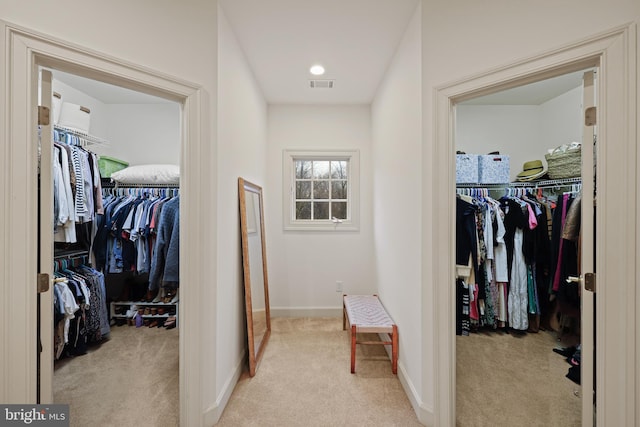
x=367, y=314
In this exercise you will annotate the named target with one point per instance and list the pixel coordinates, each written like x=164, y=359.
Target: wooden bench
x=366, y=314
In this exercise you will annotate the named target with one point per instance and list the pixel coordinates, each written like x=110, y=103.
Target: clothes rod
x=70, y=253
x=126, y=186
x=520, y=184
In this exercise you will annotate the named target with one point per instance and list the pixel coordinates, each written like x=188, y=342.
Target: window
x=321, y=190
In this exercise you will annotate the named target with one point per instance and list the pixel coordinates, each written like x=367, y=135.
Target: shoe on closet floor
x=565, y=351
x=159, y=296
x=170, y=323
x=150, y=296
x=176, y=297
x=574, y=374
x=572, y=361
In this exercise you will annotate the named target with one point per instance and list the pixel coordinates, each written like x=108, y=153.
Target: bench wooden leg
x=394, y=350
x=353, y=349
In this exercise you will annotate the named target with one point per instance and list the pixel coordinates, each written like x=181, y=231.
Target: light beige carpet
x=304, y=380
x=129, y=380
x=509, y=380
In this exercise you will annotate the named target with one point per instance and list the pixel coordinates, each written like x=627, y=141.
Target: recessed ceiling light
x=317, y=70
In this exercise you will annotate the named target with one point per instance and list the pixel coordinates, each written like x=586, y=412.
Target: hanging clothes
x=508, y=245
x=165, y=265
x=518, y=288
x=80, y=310
x=76, y=184
x=139, y=232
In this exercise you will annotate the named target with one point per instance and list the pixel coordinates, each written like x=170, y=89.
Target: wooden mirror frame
x=249, y=227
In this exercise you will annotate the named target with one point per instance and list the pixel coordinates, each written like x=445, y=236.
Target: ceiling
x=105, y=92
x=354, y=40
x=532, y=94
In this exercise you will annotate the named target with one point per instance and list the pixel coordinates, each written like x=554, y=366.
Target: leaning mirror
x=254, y=263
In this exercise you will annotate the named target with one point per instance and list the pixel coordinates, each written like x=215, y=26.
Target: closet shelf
x=85, y=138
x=531, y=184
x=118, y=309
x=65, y=258
x=145, y=304
x=70, y=253
x=107, y=183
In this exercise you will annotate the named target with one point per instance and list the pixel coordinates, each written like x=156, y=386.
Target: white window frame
x=352, y=222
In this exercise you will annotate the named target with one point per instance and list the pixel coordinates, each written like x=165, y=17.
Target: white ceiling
x=355, y=40
x=532, y=94
x=105, y=92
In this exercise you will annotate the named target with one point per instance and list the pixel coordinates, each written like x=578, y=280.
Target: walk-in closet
x=518, y=248
x=116, y=195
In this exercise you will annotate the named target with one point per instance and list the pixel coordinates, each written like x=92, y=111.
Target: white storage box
x=467, y=169
x=75, y=116
x=494, y=169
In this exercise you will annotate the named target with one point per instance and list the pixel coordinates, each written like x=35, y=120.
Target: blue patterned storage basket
x=466, y=168
x=494, y=169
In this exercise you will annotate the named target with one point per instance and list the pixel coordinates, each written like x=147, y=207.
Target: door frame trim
x=615, y=53
x=22, y=52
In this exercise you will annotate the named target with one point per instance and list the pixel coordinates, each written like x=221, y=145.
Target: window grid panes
x=321, y=189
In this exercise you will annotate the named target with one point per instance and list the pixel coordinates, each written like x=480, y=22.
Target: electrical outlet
x=338, y=285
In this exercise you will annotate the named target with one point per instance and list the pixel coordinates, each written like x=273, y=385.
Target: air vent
x=321, y=84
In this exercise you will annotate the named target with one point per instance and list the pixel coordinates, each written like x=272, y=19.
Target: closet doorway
x=614, y=253
x=109, y=246
x=26, y=52
x=524, y=322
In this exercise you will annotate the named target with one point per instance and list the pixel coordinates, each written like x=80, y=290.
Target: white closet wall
x=137, y=133
x=144, y=133
x=524, y=132
x=562, y=118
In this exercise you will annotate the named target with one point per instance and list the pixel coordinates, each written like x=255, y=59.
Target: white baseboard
x=212, y=415
x=306, y=311
x=425, y=415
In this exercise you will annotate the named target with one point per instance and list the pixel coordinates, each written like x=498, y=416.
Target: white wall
x=472, y=37
x=512, y=130
x=144, y=133
x=524, y=132
x=172, y=37
x=304, y=266
x=242, y=147
x=562, y=119
x=397, y=195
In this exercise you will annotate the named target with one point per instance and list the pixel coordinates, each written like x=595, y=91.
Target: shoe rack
x=150, y=312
